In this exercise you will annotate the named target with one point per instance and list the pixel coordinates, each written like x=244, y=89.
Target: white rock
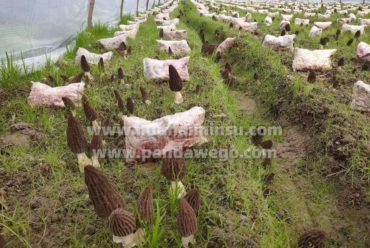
x=316, y=60
x=92, y=58
x=361, y=96
x=158, y=69
x=178, y=47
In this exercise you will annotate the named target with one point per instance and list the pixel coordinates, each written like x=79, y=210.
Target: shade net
x=33, y=30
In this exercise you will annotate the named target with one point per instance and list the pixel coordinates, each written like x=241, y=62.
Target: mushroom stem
x=131, y=240
x=178, y=189
x=188, y=240
x=178, y=98
x=83, y=161
x=96, y=125
x=95, y=161
x=89, y=76
x=148, y=102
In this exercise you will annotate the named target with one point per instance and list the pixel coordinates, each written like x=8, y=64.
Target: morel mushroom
x=101, y=64
x=341, y=62
x=104, y=195
x=77, y=142
x=96, y=145
x=69, y=105
x=123, y=226
x=122, y=49
x=2, y=241
x=174, y=170
x=130, y=105
x=146, y=206
x=350, y=41
x=119, y=100
x=90, y=113
x=193, y=198
x=175, y=84
x=312, y=239
x=267, y=144
x=145, y=96
x=187, y=223
x=86, y=68
x=311, y=77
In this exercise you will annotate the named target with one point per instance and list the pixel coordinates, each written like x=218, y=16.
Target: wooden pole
x=91, y=12
x=137, y=7
x=121, y=9
x=147, y=4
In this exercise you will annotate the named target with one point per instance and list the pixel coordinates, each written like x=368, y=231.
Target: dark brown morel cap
x=144, y=94
x=146, y=206
x=187, y=220
x=76, y=138
x=101, y=64
x=175, y=79
x=68, y=103
x=90, y=113
x=193, y=198
x=119, y=101
x=161, y=33
x=77, y=78
x=104, y=196
x=122, y=223
x=311, y=78
x=84, y=65
x=130, y=105
x=267, y=144
x=121, y=75
x=2, y=241
x=173, y=168
x=96, y=142
x=122, y=46
x=312, y=239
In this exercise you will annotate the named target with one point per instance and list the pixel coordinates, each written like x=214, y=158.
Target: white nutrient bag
x=158, y=69
x=316, y=60
x=169, y=133
x=44, y=95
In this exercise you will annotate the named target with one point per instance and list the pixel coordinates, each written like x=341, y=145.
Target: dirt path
x=306, y=199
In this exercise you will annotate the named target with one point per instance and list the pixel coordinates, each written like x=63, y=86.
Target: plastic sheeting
x=33, y=30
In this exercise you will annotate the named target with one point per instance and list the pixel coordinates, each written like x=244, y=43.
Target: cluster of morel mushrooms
x=104, y=195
